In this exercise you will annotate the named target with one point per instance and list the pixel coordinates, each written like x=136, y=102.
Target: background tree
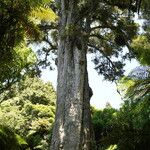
x=28, y=108
x=102, y=121
x=128, y=127
x=19, y=24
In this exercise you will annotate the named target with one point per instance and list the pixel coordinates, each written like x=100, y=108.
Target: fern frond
x=45, y=14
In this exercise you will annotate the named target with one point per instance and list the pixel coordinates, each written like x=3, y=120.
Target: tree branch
x=95, y=47
x=47, y=27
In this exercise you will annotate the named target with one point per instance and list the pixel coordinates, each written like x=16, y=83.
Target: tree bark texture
x=72, y=127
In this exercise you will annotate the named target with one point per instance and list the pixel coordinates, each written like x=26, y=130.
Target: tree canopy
x=27, y=105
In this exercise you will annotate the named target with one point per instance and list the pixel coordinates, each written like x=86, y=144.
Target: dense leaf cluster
x=128, y=127
x=15, y=24
x=28, y=108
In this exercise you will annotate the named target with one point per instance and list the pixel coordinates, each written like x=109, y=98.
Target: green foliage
x=44, y=14
x=129, y=127
x=9, y=140
x=145, y=9
x=141, y=46
x=138, y=97
x=28, y=108
x=102, y=121
x=23, y=62
x=17, y=25
x=14, y=16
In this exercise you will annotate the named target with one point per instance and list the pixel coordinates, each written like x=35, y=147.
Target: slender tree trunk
x=72, y=128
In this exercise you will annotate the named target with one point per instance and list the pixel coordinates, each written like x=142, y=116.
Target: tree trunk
x=72, y=127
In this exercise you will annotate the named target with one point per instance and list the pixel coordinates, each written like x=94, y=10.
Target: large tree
x=101, y=26
x=104, y=27
x=72, y=124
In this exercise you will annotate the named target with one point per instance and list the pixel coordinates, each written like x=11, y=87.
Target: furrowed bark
x=72, y=127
